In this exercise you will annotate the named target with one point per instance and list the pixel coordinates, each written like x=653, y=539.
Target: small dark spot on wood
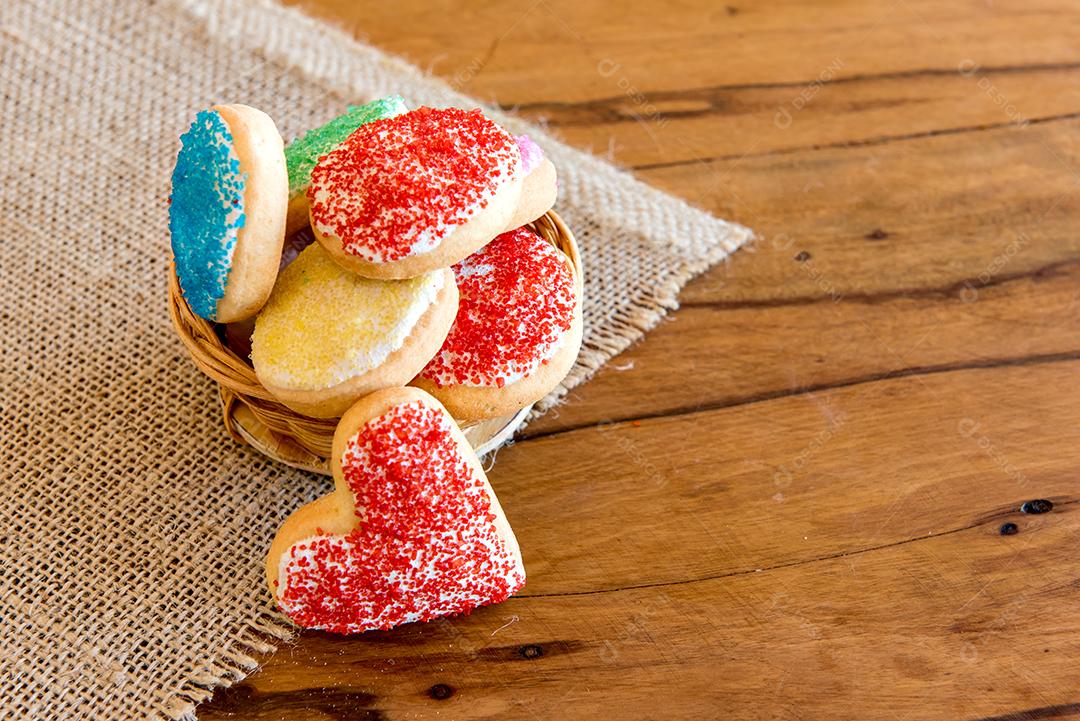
x=1039, y=505
x=1008, y=529
x=877, y=234
x=731, y=10
x=440, y=692
x=531, y=651
x=803, y=256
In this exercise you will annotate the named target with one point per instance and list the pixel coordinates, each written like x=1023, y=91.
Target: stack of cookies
x=379, y=270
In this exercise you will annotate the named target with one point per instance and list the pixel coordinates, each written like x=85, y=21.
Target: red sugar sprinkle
x=426, y=547
x=516, y=303
x=398, y=186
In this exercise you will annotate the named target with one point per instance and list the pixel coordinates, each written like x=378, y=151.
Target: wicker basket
x=253, y=416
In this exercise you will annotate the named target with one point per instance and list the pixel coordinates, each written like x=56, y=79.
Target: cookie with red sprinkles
x=412, y=531
x=404, y=195
x=517, y=329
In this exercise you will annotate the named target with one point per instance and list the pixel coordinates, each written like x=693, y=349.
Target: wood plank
x=555, y=43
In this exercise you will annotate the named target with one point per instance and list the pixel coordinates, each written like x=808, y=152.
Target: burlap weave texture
x=132, y=529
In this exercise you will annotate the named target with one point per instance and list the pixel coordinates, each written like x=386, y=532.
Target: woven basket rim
x=293, y=438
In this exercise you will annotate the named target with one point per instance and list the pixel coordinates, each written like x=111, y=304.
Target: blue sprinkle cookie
x=302, y=154
x=227, y=211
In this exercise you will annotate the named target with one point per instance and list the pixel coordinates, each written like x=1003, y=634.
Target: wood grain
x=901, y=258
x=793, y=499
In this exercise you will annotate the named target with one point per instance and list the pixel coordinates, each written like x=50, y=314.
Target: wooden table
x=801, y=497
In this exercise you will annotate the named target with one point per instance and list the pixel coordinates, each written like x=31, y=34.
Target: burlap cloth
x=132, y=530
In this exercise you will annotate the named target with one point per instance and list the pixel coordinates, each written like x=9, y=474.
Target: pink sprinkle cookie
x=531, y=154
x=412, y=531
x=540, y=186
x=516, y=332
x=404, y=195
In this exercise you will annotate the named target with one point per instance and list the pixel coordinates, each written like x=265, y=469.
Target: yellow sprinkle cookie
x=324, y=329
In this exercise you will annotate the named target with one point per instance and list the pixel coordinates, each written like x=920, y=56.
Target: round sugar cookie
x=328, y=337
x=227, y=211
x=517, y=331
x=302, y=154
x=411, y=532
x=423, y=190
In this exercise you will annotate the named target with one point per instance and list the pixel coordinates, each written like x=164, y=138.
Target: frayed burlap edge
x=230, y=667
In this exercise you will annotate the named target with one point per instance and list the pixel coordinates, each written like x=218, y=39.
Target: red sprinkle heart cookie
x=405, y=195
x=517, y=329
x=412, y=531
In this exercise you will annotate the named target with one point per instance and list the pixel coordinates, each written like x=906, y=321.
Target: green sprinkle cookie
x=302, y=154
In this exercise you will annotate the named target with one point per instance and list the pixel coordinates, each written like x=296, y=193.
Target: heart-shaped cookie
x=412, y=531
